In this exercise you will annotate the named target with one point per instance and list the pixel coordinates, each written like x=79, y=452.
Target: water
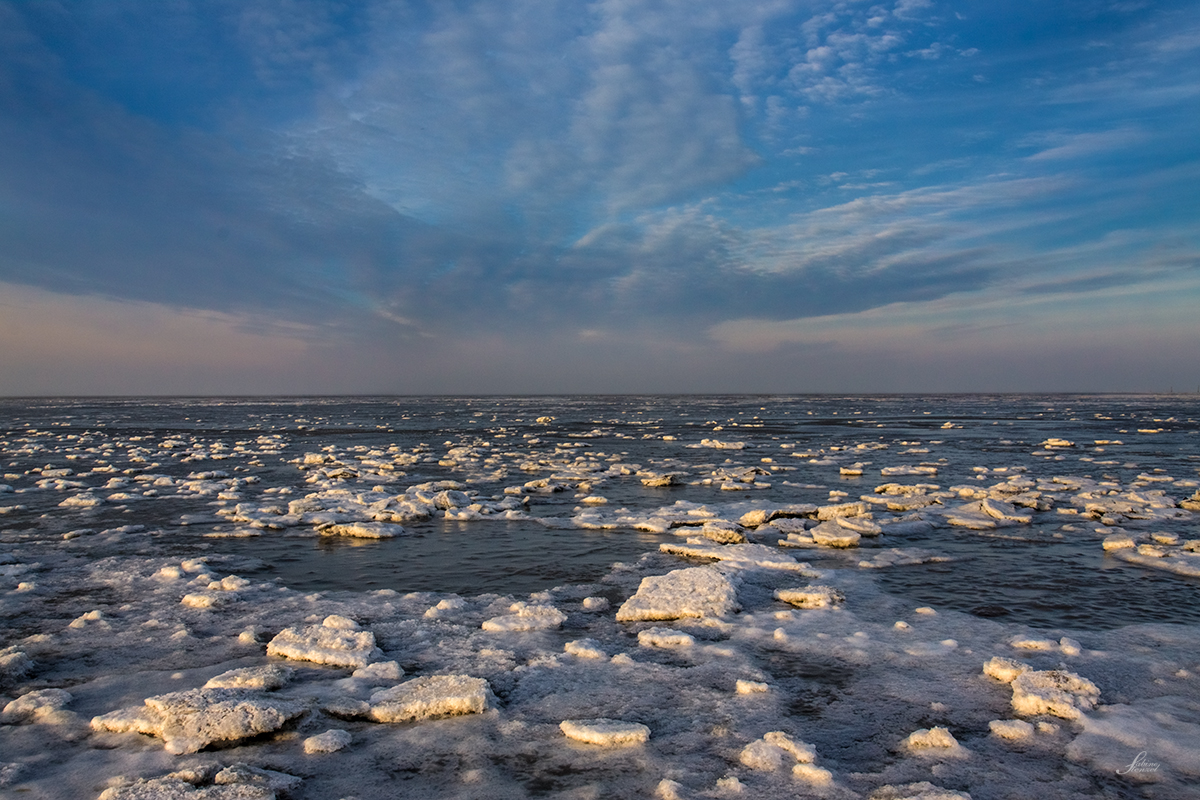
x=1045, y=577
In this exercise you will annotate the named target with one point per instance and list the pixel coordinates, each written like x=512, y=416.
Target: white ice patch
x=191, y=720
x=526, y=617
x=1058, y=692
x=267, y=678
x=810, y=596
x=585, y=648
x=605, y=732
x=35, y=706
x=330, y=741
x=431, y=696
x=740, y=556
x=333, y=642
x=692, y=592
x=665, y=637
x=1152, y=739
x=363, y=530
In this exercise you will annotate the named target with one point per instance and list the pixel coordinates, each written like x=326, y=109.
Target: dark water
x=1048, y=581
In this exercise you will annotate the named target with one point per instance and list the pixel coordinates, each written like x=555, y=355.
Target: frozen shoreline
x=717, y=683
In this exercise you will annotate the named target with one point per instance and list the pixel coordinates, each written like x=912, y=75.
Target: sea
x=499, y=500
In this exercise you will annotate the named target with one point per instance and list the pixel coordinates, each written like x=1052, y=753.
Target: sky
x=215, y=197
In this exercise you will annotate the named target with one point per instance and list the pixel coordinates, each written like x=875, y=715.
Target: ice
x=36, y=706
x=901, y=557
x=191, y=720
x=526, y=617
x=337, y=641
x=665, y=637
x=810, y=596
x=777, y=749
x=585, y=648
x=829, y=512
x=1155, y=739
x=1011, y=729
x=330, y=741
x=743, y=686
x=266, y=678
x=14, y=664
x=1057, y=692
x=171, y=788
x=691, y=592
x=830, y=534
x=595, y=604
x=605, y=732
x=740, y=556
x=938, y=740
x=431, y=696
x=924, y=790
x=363, y=530
x=889, y=472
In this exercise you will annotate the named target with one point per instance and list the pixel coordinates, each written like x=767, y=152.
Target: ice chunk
x=841, y=510
x=1002, y=510
x=691, y=592
x=917, y=791
x=1058, y=692
x=1004, y=669
x=595, y=604
x=1118, y=541
x=332, y=642
x=363, y=530
x=829, y=534
x=270, y=677
x=35, y=706
x=744, y=556
x=244, y=776
x=1012, y=729
x=380, y=672
x=665, y=637
x=605, y=732
x=751, y=687
x=810, y=596
x=776, y=747
x=190, y=720
x=938, y=738
x=861, y=525
x=330, y=741
x=906, y=469
x=818, y=776
x=14, y=664
x=585, y=648
x=526, y=617
x=431, y=696
x=173, y=788
x=1033, y=644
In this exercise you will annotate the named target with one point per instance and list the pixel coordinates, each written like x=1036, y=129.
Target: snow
x=605, y=732
x=691, y=592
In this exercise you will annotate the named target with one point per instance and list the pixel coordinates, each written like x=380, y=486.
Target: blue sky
x=527, y=196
